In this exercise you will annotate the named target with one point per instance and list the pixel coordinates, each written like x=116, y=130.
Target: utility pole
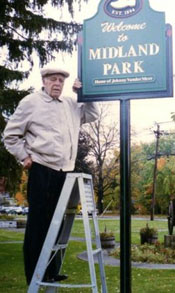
x=158, y=133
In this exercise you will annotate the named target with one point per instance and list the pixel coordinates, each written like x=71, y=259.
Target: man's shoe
x=60, y=278
x=55, y=279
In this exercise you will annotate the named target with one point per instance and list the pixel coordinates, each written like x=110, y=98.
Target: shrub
x=147, y=231
x=150, y=253
x=106, y=234
x=7, y=217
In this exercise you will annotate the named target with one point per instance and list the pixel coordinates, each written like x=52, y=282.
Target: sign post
x=125, y=198
x=125, y=52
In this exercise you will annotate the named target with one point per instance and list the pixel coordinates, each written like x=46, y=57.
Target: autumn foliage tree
x=142, y=166
x=21, y=195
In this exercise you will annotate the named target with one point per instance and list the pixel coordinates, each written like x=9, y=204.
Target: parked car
x=3, y=209
x=25, y=210
x=11, y=210
x=16, y=210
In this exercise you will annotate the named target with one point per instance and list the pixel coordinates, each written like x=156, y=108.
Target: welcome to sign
x=125, y=51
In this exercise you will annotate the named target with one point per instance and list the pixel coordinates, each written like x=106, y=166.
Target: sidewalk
x=111, y=261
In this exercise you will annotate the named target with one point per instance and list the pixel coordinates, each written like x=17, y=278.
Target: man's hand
x=27, y=163
x=77, y=85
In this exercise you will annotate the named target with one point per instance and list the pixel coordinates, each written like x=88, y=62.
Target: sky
x=145, y=113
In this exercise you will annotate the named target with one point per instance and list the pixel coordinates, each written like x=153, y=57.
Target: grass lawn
x=12, y=278
x=114, y=225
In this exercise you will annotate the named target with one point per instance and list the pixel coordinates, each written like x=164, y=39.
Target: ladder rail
x=100, y=256
x=87, y=234
x=84, y=196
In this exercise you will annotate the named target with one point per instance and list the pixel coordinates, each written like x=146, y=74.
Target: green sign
x=125, y=52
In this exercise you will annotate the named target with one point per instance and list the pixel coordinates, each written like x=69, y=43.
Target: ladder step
x=57, y=247
x=58, y=285
x=96, y=251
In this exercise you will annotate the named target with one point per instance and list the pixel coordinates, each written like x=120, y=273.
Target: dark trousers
x=43, y=191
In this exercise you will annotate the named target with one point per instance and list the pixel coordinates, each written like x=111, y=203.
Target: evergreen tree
x=25, y=29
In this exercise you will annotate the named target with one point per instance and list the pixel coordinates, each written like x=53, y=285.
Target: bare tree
x=103, y=135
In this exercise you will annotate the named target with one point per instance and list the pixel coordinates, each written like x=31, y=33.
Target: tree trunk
x=100, y=193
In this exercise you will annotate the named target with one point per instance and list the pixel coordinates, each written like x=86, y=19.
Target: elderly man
x=43, y=135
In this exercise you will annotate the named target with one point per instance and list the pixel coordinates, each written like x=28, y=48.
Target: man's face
x=53, y=85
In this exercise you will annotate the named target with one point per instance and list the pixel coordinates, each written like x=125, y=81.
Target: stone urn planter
x=148, y=235
x=107, y=239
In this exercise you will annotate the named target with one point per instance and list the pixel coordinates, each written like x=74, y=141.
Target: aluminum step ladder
x=77, y=187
